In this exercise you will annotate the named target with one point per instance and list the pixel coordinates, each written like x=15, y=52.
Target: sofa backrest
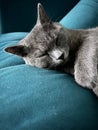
x=20, y=15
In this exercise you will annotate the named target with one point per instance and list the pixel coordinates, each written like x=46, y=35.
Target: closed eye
x=43, y=54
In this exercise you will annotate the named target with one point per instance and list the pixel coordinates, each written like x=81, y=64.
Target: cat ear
x=42, y=17
x=19, y=50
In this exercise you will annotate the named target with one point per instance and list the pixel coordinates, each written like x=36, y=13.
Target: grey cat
x=49, y=45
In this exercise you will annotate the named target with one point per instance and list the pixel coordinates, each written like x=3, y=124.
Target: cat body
x=50, y=45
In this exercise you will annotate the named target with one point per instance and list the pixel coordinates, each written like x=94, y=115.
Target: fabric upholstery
x=39, y=99
x=83, y=15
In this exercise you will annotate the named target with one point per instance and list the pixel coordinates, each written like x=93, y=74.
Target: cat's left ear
x=19, y=50
x=42, y=17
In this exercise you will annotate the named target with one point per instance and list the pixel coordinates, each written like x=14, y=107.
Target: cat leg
x=86, y=75
x=95, y=90
x=86, y=65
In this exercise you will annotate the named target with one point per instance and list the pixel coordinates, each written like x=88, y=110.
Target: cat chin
x=37, y=65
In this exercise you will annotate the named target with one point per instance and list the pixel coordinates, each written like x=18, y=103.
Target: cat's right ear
x=19, y=50
x=42, y=17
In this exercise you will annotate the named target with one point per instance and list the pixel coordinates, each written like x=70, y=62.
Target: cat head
x=45, y=46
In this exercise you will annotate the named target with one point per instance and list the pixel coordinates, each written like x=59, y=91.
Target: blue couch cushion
x=39, y=99
x=83, y=15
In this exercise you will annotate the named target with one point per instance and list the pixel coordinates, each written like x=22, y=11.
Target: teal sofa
x=40, y=99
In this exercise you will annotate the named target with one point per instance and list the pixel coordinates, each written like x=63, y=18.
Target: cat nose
x=61, y=57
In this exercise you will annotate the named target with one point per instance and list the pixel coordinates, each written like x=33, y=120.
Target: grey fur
x=49, y=45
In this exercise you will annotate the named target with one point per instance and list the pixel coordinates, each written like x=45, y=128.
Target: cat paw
x=95, y=90
x=83, y=81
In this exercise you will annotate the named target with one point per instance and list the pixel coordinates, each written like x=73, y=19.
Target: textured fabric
x=39, y=99
x=83, y=15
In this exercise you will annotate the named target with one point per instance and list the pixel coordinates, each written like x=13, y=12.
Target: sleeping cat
x=49, y=45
